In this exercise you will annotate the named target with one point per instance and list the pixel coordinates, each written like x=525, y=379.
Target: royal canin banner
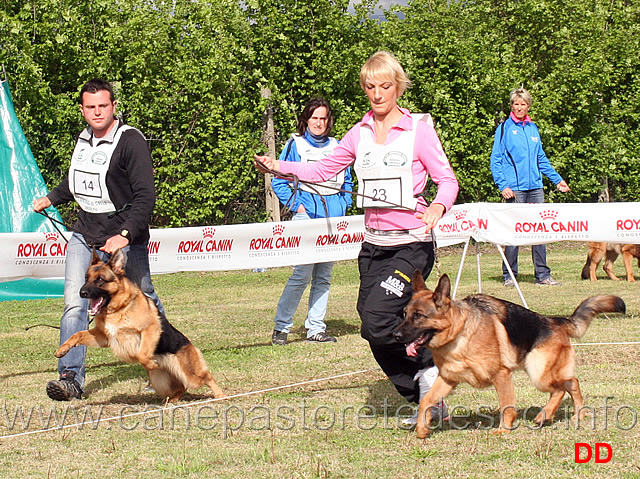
x=260, y=245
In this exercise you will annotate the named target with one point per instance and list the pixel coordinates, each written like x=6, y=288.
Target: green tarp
x=20, y=183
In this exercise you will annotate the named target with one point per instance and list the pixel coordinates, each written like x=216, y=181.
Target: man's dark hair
x=94, y=86
x=309, y=108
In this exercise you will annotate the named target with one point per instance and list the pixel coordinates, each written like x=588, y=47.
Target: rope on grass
x=81, y=425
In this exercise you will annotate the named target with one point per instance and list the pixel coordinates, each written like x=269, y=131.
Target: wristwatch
x=126, y=234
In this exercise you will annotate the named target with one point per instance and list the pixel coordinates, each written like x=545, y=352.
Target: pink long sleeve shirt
x=429, y=159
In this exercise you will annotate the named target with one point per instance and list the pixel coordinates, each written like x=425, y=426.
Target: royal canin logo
x=551, y=224
x=462, y=224
x=154, y=247
x=548, y=215
x=460, y=215
x=208, y=232
x=52, y=237
x=628, y=224
x=206, y=245
x=342, y=237
x=276, y=242
x=49, y=248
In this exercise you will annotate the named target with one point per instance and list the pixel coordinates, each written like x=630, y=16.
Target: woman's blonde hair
x=521, y=93
x=384, y=66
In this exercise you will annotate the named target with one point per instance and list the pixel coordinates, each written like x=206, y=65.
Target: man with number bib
x=394, y=154
x=111, y=179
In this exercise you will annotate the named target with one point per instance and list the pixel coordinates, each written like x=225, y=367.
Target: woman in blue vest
x=310, y=143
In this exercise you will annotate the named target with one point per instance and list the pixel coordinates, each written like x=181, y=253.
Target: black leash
x=53, y=222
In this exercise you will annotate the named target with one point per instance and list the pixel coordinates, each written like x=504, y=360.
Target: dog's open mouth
x=96, y=305
x=412, y=348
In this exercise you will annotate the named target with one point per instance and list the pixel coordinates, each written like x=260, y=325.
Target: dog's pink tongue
x=411, y=350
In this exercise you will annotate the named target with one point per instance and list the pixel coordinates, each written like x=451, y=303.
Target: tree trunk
x=269, y=139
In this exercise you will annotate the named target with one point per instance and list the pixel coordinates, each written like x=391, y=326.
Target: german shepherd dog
x=597, y=251
x=481, y=340
x=129, y=323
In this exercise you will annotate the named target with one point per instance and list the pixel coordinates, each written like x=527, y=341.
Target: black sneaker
x=278, y=338
x=321, y=337
x=65, y=388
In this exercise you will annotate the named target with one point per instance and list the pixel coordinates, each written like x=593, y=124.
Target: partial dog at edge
x=481, y=340
x=596, y=251
x=129, y=323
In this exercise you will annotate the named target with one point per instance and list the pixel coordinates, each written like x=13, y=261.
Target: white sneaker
x=439, y=413
x=426, y=377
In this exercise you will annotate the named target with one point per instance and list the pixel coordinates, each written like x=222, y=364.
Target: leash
x=296, y=181
x=55, y=222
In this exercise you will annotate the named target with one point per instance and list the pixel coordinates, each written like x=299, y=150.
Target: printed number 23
x=379, y=194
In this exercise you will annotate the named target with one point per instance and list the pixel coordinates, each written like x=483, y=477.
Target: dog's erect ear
x=118, y=262
x=442, y=293
x=94, y=256
x=417, y=283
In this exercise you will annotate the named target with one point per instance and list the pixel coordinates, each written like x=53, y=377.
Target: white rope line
x=250, y=393
x=179, y=406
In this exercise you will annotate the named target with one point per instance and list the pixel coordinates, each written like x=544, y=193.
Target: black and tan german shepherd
x=129, y=323
x=596, y=251
x=481, y=340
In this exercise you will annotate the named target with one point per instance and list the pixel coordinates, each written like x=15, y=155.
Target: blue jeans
x=320, y=276
x=76, y=309
x=538, y=252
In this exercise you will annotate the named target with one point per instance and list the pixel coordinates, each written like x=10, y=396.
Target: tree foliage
x=189, y=75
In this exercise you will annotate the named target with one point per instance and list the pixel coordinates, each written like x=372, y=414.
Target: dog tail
x=581, y=318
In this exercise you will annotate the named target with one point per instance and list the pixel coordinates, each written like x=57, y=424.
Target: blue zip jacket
x=336, y=204
x=517, y=158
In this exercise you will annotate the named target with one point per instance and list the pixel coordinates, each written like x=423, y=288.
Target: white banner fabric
x=260, y=245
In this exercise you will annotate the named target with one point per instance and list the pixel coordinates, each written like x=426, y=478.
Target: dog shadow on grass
x=386, y=403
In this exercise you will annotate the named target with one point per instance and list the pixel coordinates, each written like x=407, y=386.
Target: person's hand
x=507, y=193
x=563, y=186
x=268, y=162
x=41, y=204
x=114, y=243
x=431, y=215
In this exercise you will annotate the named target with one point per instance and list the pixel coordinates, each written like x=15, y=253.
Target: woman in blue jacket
x=310, y=143
x=517, y=165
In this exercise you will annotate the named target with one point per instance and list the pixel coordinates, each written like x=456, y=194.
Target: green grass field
x=312, y=410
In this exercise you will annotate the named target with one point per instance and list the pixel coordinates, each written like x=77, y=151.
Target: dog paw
x=500, y=430
x=422, y=432
x=541, y=418
x=60, y=352
x=151, y=365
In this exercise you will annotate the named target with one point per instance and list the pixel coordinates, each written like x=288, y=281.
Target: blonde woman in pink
x=394, y=153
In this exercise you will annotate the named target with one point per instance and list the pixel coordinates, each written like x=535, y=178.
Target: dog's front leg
x=92, y=337
x=437, y=393
x=507, y=398
x=628, y=265
x=148, y=341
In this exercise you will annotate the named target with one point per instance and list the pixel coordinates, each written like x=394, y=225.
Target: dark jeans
x=538, y=252
x=385, y=290
x=76, y=316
